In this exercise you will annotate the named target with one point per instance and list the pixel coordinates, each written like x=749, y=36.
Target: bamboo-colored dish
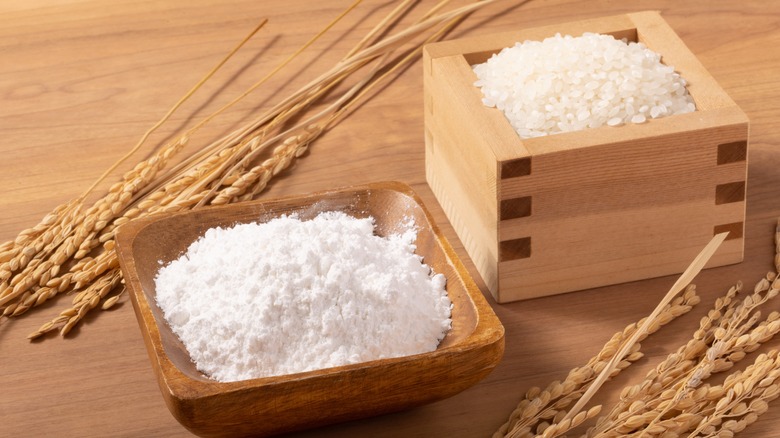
x=272, y=405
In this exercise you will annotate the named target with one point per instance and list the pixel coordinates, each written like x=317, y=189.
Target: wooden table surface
x=81, y=80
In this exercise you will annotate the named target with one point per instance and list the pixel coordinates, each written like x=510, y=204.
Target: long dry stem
x=674, y=399
x=540, y=405
x=176, y=106
x=63, y=252
x=684, y=279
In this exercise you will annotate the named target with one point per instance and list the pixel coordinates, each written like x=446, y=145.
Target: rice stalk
x=539, y=405
x=72, y=249
x=684, y=279
x=675, y=399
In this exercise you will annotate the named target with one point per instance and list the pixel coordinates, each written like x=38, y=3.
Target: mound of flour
x=289, y=296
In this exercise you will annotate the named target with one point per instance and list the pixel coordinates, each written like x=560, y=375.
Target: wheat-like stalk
x=674, y=398
x=741, y=390
x=540, y=405
x=72, y=249
x=723, y=338
x=70, y=232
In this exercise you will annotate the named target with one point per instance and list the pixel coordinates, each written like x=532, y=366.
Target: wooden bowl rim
x=488, y=329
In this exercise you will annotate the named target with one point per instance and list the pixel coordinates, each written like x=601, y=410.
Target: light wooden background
x=81, y=80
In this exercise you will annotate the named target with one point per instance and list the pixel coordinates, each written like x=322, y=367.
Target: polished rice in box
x=583, y=209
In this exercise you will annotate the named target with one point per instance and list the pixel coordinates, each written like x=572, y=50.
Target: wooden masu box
x=584, y=209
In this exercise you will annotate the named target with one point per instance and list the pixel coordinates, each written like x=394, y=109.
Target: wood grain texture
x=81, y=80
x=604, y=206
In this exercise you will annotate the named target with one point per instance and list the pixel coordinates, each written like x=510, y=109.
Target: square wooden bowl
x=272, y=405
x=583, y=209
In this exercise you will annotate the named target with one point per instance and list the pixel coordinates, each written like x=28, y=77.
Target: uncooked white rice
x=567, y=83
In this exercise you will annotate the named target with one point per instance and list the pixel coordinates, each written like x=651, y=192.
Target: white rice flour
x=289, y=296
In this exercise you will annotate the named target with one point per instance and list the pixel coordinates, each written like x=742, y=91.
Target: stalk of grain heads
x=71, y=250
x=677, y=398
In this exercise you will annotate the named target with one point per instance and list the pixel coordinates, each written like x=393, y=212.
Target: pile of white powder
x=564, y=84
x=289, y=296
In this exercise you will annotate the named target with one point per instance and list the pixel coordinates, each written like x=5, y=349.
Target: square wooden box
x=583, y=209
